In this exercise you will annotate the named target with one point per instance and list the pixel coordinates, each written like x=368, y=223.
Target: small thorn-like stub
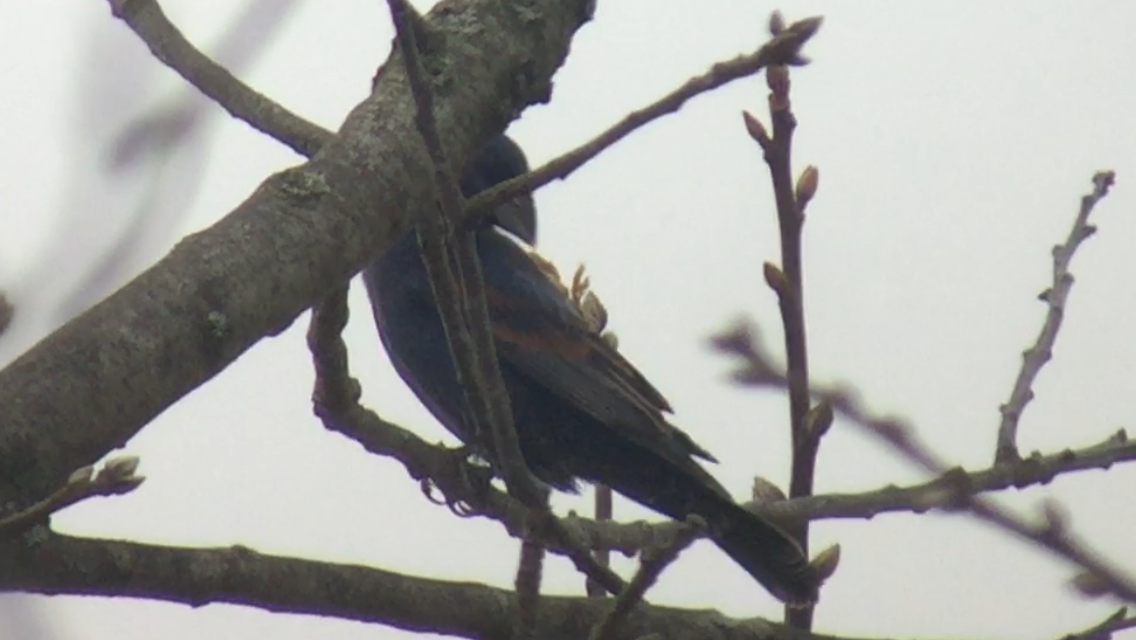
x=775, y=278
x=819, y=420
x=777, y=77
x=1090, y=585
x=764, y=491
x=807, y=185
x=81, y=475
x=776, y=23
x=755, y=129
x=826, y=562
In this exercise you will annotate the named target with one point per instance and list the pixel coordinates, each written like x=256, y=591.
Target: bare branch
x=603, y=513
x=1118, y=621
x=527, y=585
x=654, y=562
x=760, y=372
x=787, y=282
x=168, y=45
x=784, y=48
x=1034, y=358
x=239, y=575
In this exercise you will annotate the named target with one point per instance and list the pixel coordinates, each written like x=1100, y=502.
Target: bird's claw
x=468, y=484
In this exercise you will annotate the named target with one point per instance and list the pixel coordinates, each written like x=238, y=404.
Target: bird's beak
x=518, y=217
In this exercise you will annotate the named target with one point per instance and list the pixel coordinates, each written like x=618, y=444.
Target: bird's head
x=499, y=160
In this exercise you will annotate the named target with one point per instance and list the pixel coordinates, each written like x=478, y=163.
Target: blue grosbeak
x=581, y=410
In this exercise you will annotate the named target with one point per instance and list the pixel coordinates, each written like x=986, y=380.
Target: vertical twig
x=653, y=560
x=787, y=281
x=603, y=556
x=1034, y=358
x=462, y=304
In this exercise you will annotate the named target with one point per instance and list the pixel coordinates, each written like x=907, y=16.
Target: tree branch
x=1052, y=533
x=239, y=575
x=784, y=48
x=1034, y=358
x=95, y=382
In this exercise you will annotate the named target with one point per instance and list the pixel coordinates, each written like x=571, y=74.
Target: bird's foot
x=462, y=483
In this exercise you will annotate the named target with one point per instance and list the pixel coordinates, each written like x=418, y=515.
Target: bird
x=581, y=410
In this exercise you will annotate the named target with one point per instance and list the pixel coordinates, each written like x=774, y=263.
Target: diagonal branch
x=1034, y=358
x=784, y=48
x=1052, y=534
x=95, y=382
x=145, y=18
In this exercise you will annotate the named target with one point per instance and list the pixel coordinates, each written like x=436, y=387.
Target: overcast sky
x=953, y=139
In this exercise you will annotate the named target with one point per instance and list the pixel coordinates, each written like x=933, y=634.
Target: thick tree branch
x=238, y=575
x=94, y=383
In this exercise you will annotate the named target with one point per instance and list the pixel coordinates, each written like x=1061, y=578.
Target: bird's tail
x=763, y=549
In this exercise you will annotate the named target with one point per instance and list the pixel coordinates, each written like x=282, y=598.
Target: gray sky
x=954, y=141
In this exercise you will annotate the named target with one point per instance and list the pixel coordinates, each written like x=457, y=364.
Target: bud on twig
x=775, y=278
x=807, y=186
x=826, y=562
x=755, y=129
x=818, y=420
x=764, y=491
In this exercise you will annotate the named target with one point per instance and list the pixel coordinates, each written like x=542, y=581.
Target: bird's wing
x=539, y=331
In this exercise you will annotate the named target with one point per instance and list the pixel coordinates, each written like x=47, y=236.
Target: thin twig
x=788, y=283
x=116, y=478
x=1118, y=621
x=527, y=586
x=784, y=48
x=1034, y=358
x=1052, y=534
x=603, y=513
x=651, y=566
x=145, y=18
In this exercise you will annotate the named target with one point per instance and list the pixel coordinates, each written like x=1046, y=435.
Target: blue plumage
x=581, y=410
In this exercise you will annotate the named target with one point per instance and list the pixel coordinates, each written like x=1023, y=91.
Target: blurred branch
x=784, y=48
x=6, y=313
x=145, y=18
x=1052, y=533
x=239, y=575
x=1034, y=358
